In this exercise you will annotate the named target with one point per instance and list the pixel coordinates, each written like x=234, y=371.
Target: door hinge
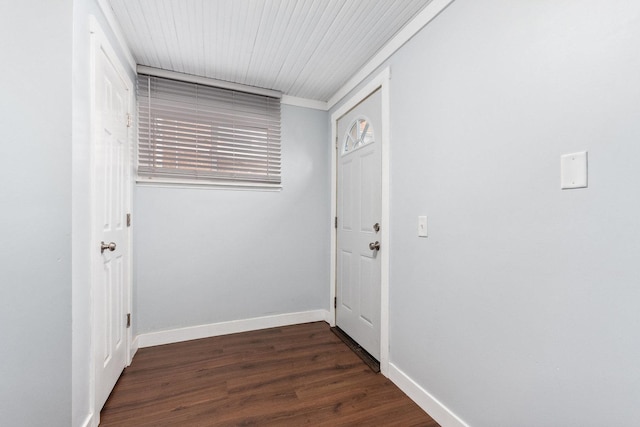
x=335, y=222
x=129, y=120
x=128, y=320
x=128, y=220
x=335, y=302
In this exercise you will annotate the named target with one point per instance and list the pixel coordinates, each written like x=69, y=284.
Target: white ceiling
x=302, y=48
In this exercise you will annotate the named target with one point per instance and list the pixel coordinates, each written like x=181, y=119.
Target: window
x=199, y=134
x=360, y=133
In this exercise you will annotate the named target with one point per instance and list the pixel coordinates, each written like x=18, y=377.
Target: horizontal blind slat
x=191, y=131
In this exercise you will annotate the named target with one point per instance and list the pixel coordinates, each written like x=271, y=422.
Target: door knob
x=374, y=246
x=103, y=247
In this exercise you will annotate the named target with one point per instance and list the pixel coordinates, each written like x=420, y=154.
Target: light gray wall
x=521, y=308
x=81, y=200
x=208, y=256
x=35, y=210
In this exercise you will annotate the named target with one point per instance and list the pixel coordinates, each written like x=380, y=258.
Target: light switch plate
x=573, y=170
x=422, y=226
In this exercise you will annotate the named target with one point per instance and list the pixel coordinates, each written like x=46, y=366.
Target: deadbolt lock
x=376, y=227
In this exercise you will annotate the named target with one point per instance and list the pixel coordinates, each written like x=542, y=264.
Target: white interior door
x=110, y=185
x=359, y=208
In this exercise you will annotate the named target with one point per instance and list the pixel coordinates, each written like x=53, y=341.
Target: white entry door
x=359, y=216
x=110, y=247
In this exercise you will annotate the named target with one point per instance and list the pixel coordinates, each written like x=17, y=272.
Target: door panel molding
x=380, y=81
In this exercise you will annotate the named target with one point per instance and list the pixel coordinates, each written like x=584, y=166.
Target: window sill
x=145, y=181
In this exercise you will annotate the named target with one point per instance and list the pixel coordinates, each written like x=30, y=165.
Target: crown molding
x=304, y=102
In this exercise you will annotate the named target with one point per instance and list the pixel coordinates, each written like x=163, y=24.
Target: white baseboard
x=135, y=345
x=231, y=327
x=443, y=415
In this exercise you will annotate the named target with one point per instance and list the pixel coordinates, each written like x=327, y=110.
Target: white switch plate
x=573, y=170
x=422, y=226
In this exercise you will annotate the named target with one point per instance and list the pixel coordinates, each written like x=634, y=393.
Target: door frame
x=380, y=81
x=98, y=41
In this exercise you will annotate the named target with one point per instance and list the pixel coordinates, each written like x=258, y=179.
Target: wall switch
x=573, y=170
x=422, y=226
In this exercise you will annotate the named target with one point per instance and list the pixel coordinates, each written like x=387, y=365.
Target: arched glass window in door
x=360, y=133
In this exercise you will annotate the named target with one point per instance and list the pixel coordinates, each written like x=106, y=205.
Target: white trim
x=284, y=99
x=135, y=345
x=146, y=181
x=385, y=220
x=231, y=327
x=112, y=21
x=95, y=35
x=206, y=81
x=89, y=421
x=432, y=10
x=432, y=406
x=304, y=102
x=379, y=81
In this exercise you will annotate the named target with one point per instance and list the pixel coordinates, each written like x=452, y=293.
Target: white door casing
x=359, y=216
x=110, y=153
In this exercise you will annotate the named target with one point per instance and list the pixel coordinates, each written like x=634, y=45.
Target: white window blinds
x=207, y=134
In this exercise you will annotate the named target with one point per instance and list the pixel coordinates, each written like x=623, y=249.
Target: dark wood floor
x=294, y=375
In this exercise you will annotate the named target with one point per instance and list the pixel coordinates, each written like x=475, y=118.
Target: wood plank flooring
x=294, y=375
